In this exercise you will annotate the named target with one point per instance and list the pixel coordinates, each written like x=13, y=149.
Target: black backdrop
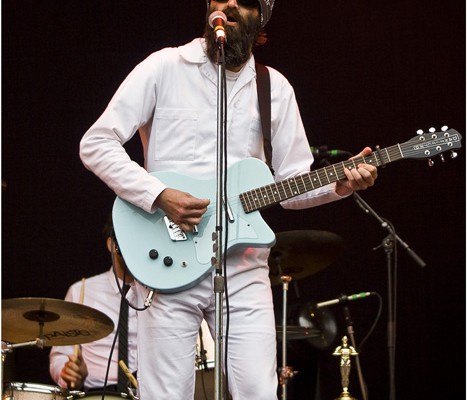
x=365, y=73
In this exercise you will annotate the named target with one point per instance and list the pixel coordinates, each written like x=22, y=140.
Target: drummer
x=84, y=367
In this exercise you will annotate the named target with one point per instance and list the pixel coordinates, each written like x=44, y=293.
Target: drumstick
x=128, y=373
x=81, y=300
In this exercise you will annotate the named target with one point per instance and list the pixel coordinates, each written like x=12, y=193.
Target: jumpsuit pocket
x=175, y=132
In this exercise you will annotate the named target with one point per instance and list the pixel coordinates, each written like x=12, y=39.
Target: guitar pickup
x=175, y=232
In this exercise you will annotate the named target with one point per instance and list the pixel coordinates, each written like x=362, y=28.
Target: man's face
x=242, y=28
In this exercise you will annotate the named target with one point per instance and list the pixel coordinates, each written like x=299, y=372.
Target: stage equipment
x=344, y=352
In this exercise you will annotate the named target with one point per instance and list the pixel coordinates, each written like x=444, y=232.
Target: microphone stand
x=219, y=234
x=389, y=243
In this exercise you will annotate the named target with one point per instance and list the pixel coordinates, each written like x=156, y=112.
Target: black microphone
x=217, y=20
x=344, y=299
x=323, y=152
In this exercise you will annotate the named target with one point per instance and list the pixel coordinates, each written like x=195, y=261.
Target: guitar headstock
x=431, y=144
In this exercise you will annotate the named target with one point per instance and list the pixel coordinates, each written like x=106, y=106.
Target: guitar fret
x=269, y=194
x=387, y=153
x=317, y=176
x=275, y=192
x=340, y=172
x=297, y=189
x=324, y=175
x=250, y=204
x=399, y=149
x=335, y=172
x=304, y=183
x=284, y=190
x=290, y=188
x=326, y=172
x=264, y=196
x=257, y=198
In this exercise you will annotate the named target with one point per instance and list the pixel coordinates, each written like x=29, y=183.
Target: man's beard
x=239, y=40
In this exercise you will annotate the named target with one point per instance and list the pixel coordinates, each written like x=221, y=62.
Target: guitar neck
x=274, y=193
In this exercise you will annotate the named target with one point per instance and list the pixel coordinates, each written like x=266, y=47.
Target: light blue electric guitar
x=164, y=258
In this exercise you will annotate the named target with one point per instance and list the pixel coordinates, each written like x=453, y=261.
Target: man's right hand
x=182, y=208
x=74, y=371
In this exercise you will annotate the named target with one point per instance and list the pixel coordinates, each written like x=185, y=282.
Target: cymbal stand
x=286, y=372
x=8, y=348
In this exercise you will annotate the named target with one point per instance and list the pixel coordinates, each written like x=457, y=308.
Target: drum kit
x=45, y=322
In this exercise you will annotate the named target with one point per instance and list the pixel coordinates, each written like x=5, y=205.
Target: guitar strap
x=263, y=85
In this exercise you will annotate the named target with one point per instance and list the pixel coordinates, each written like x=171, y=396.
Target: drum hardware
x=295, y=332
x=345, y=351
x=286, y=372
x=302, y=253
x=77, y=394
x=33, y=391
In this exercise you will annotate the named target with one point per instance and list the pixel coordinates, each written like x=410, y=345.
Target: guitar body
x=141, y=235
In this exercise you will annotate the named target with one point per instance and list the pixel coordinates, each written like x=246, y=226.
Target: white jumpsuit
x=171, y=98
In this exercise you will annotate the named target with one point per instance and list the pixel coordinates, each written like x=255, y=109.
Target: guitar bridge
x=174, y=230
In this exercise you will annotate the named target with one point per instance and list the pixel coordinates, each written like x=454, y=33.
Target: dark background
x=365, y=73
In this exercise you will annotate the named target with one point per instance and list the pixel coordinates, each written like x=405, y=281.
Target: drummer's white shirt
x=101, y=293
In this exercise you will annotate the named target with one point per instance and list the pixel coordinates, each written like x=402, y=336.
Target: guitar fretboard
x=274, y=193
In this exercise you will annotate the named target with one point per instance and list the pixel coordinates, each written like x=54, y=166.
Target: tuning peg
x=442, y=157
x=444, y=128
x=453, y=154
x=432, y=130
x=420, y=132
x=430, y=162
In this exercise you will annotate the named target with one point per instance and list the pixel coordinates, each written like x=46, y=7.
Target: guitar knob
x=420, y=132
x=444, y=128
x=168, y=261
x=153, y=254
x=431, y=130
x=453, y=154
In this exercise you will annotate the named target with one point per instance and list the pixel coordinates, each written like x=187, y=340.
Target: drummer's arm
x=57, y=358
x=74, y=371
x=66, y=369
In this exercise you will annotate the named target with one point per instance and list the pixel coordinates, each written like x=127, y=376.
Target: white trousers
x=168, y=331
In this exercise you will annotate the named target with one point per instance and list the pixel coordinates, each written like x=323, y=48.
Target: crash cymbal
x=297, y=332
x=302, y=253
x=58, y=322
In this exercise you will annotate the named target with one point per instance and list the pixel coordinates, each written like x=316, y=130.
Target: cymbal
x=294, y=332
x=58, y=322
x=302, y=253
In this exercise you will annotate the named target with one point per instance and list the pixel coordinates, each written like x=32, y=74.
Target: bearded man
x=171, y=99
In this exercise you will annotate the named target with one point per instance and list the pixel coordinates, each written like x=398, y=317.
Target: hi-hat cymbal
x=58, y=322
x=302, y=253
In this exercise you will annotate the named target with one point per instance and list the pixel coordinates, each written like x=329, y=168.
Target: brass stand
x=345, y=351
x=286, y=372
